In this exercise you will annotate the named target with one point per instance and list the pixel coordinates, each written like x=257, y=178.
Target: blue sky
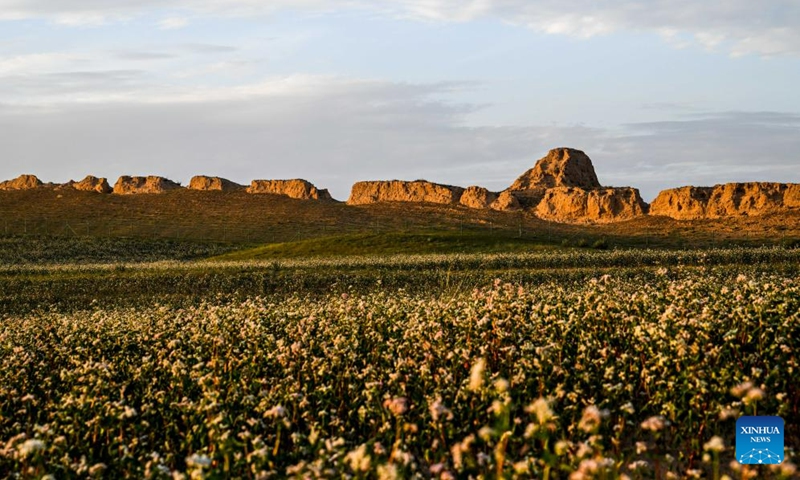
x=658, y=93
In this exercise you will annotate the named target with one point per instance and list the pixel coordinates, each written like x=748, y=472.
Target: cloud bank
x=201, y=108
x=737, y=27
x=335, y=131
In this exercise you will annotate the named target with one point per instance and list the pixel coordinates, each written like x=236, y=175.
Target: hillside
x=241, y=218
x=560, y=200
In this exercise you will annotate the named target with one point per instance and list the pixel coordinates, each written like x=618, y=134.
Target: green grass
x=71, y=287
x=392, y=243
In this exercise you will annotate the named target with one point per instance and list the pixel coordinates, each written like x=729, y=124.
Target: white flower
x=438, y=410
x=727, y=413
x=476, y=375
x=388, y=472
x=654, y=423
x=753, y=395
x=588, y=466
x=541, y=411
x=30, y=447
x=741, y=389
x=196, y=460
x=358, y=459
x=591, y=419
x=398, y=406
x=276, y=412
x=714, y=445
x=501, y=385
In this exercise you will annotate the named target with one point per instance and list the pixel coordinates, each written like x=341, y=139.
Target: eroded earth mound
x=401, y=191
x=730, y=199
x=23, y=182
x=203, y=182
x=127, y=185
x=561, y=167
x=599, y=205
x=89, y=184
x=296, y=188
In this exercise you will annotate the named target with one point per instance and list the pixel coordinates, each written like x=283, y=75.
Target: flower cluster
x=625, y=376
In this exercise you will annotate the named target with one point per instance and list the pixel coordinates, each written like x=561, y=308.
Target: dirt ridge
x=726, y=200
x=561, y=187
x=295, y=188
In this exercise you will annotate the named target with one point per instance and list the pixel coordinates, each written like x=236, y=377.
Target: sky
x=659, y=93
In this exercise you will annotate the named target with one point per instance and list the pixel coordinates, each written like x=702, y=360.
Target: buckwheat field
x=577, y=365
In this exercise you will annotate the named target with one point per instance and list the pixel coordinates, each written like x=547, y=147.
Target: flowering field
x=640, y=373
x=69, y=286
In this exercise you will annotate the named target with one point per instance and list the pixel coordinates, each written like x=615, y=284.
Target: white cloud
x=173, y=23
x=738, y=27
x=85, y=19
x=35, y=63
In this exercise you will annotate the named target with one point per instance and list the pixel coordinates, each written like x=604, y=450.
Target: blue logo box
x=759, y=440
